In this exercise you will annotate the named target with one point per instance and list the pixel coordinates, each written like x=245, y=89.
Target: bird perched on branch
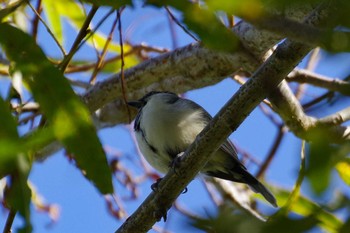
x=166, y=125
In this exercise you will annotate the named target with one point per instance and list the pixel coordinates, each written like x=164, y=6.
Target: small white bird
x=166, y=125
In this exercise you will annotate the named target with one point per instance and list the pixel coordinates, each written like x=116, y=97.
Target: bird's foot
x=155, y=185
x=175, y=163
x=161, y=212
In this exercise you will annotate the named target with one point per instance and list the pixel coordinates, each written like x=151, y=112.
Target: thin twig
x=48, y=29
x=9, y=221
x=35, y=21
x=296, y=190
x=172, y=29
x=179, y=24
x=81, y=35
x=327, y=95
x=272, y=151
x=135, y=50
x=332, y=84
x=123, y=83
x=268, y=113
x=95, y=29
x=100, y=61
x=310, y=66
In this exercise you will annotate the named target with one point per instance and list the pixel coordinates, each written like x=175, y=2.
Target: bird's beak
x=135, y=104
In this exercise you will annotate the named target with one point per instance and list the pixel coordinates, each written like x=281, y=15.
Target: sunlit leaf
x=343, y=168
x=10, y=8
x=69, y=117
x=306, y=207
x=250, y=8
x=74, y=13
x=54, y=18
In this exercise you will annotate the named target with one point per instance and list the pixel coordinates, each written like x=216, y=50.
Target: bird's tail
x=258, y=187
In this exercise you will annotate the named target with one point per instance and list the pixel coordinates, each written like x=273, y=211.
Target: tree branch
x=335, y=41
x=332, y=84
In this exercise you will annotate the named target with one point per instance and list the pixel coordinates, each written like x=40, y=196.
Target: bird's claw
x=175, y=163
x=161, y=213
x=155, y=185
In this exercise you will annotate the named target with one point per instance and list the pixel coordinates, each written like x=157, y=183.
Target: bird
x=166, y=125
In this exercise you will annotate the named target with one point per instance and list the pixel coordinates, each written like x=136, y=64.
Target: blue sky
x=83, y=209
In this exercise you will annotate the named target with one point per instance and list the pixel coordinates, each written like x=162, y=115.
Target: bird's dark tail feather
x=260, y=188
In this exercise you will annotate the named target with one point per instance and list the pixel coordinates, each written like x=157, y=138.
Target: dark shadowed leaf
x=68, y=116
x=229, y=220
x=288, y=225
x=205, y=24
x=18, y=194
x=346, y=227
x=8, y=139
x=320, y=165
x=115, y=4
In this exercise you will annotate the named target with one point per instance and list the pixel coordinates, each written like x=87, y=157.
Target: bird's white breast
x=166, y=127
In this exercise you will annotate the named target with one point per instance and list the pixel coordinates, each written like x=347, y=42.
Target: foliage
x=61, y=116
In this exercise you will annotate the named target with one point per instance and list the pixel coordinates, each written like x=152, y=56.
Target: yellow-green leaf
x=343, y=169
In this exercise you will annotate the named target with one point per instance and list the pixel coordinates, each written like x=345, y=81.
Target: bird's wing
x=229, y=148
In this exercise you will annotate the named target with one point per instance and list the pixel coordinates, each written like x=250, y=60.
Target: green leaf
x=69, y=117
x=8, y=127
x=306, y=207
x=8, y=139
x=53, y=16
x=18, y=194
x=243, y=222
x=286, y=225
x=249, y=8
x=320, y=165
x=346, y=227
x=74, y=13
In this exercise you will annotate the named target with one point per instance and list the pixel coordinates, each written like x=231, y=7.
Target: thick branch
x=197, y=64
x=335, y=41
